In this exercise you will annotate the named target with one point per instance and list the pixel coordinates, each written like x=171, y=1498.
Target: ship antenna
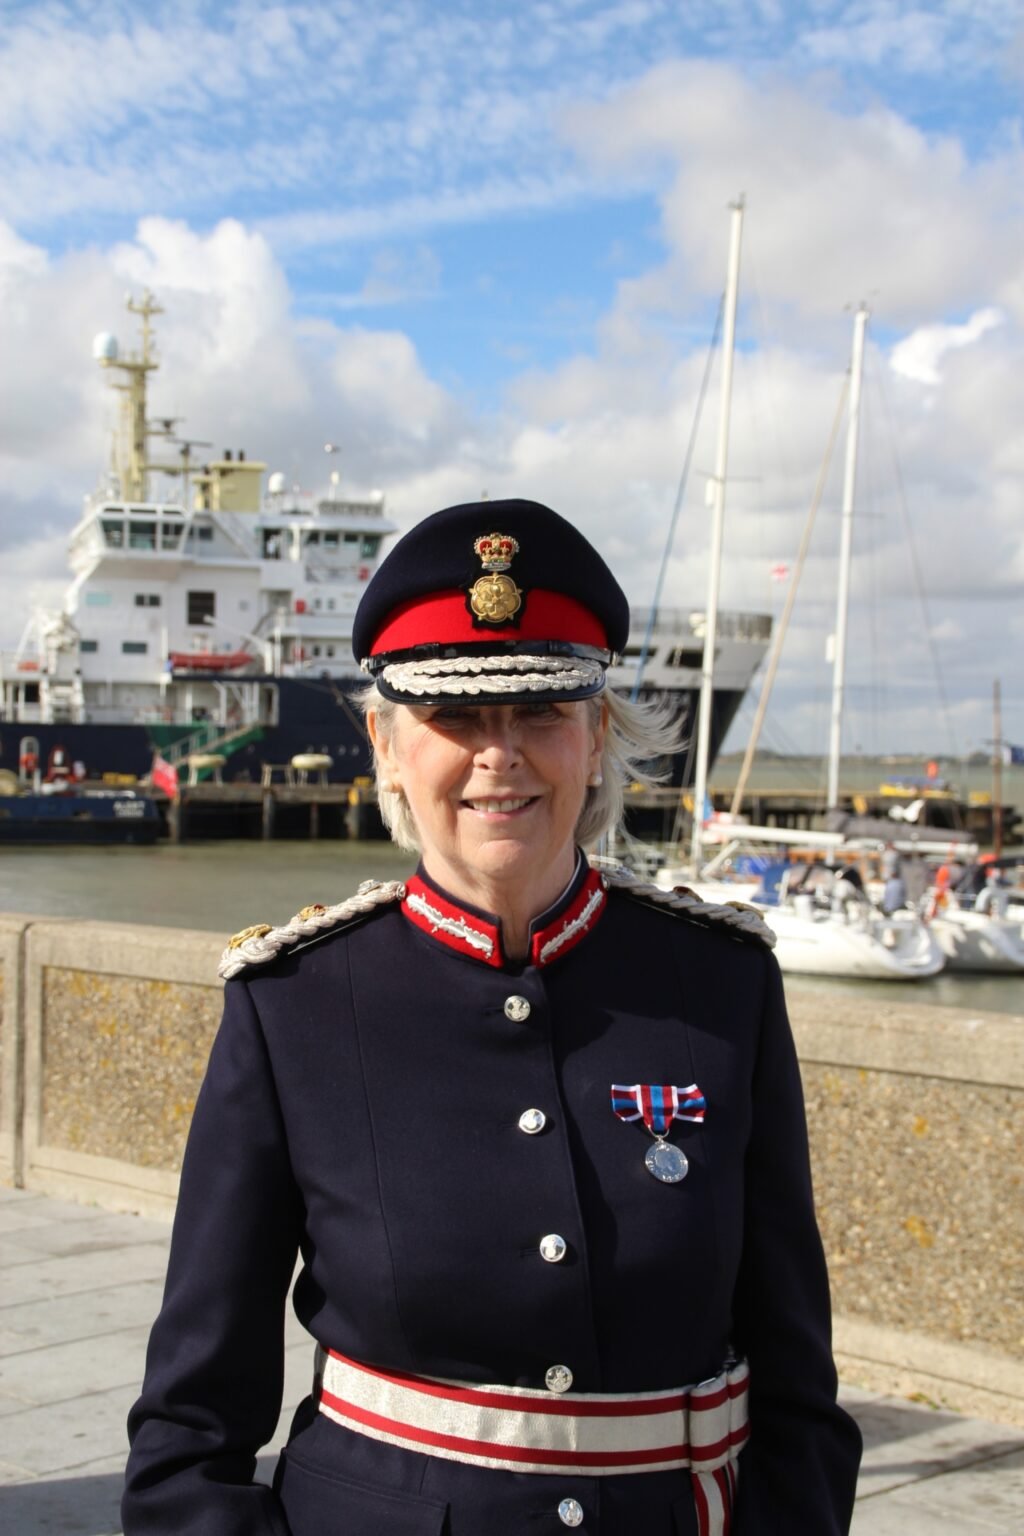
x=130, y=444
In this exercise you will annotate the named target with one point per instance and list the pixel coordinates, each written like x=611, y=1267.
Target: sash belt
x=521, y=1429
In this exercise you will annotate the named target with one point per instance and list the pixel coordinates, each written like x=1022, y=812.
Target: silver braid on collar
x=746, y=920
x=462, y=675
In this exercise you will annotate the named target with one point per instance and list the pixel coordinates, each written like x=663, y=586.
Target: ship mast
x=130, y=458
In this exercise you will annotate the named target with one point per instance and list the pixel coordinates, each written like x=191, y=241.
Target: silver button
x=532, y=1120
x=570, y=1513
x=552, y=1247
x=558, y=1378
x=517, y=1009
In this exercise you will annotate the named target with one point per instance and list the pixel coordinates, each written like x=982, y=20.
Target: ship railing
x=209, y=737
x=730, y=624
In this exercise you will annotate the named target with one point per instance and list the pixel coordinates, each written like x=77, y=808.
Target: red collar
x=478, y=935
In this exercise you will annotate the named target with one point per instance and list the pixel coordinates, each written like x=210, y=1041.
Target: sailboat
x=836, y=932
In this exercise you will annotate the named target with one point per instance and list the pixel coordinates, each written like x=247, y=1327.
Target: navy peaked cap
x=492, y=599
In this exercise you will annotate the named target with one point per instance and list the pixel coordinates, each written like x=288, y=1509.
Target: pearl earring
x=595, y=781
x=388, y=787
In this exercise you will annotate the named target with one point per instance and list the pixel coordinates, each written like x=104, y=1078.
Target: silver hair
x=639, y=736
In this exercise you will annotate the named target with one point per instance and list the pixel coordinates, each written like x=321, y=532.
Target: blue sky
x=481, y=246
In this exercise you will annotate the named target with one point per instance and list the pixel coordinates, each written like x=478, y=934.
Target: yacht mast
x=860, y=322
x=700, y=785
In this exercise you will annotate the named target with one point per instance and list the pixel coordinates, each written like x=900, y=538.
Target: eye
x=538, y=709
x=452, y=716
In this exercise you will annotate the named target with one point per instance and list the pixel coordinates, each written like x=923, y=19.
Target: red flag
x=780, y=572
x=163, y=775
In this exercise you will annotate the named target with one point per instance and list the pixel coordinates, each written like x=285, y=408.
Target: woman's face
x=495, y=790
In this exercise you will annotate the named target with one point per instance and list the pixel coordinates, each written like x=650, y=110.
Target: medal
x=657, y=1105
x=666, y=1162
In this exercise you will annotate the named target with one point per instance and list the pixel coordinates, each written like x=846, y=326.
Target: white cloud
x=918, y=355
x=841, y=206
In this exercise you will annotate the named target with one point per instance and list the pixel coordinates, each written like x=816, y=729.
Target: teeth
x=499, y=805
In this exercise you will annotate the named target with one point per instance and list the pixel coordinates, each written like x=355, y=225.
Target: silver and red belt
x=521, y=1429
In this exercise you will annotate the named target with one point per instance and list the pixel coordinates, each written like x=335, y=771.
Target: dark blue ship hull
x=78, y=818
x=314, y=715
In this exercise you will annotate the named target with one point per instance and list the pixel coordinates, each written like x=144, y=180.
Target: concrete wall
x=916, y=1117
x=103, y=1059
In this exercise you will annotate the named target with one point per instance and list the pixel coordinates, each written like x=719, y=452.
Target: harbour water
x=221, y=887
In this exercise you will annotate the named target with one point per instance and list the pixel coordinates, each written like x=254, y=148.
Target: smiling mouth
x=497, y=807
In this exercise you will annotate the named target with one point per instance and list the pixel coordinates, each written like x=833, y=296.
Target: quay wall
x=916, y=1119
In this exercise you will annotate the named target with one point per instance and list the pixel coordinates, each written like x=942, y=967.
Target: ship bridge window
x=680, y=656
x=272, y=543
x=312, y=537
x=371, y=543
x=113, y=532
x=330, y=541
x=351, y=538
x=141, y=535
x=201, y=606
x=147, y=600
x=88, y=645
x=170, y=537
x=134, y=647
x=202, y=531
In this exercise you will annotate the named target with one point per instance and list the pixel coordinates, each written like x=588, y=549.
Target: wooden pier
x=311, y=811
x=271, y=811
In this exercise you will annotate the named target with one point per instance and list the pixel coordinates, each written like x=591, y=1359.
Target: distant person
x=894, y=891
x=535, y=1131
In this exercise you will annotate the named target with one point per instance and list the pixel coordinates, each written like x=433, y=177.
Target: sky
x=481, y=247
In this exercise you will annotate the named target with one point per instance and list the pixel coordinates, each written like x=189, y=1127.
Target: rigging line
x=645, y=649
x=914, y=563
x=780, y=633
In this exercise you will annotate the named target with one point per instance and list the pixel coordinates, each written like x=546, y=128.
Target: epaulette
x=261, y=943
x=743, y=921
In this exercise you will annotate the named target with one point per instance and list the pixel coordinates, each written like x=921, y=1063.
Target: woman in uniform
x=534, y=1129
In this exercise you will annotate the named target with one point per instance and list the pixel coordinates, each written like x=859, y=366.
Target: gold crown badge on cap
x=494, y=598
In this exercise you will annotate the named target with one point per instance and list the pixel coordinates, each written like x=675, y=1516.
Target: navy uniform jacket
x=361, y=1106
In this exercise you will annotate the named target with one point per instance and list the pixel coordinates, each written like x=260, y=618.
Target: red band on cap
x=444, y=619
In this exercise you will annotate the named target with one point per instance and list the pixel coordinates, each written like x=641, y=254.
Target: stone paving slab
x=74, y=1318
x=63, y=1319
x=38, y=1376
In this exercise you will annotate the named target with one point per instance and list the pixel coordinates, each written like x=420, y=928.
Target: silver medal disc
x=666, y=1162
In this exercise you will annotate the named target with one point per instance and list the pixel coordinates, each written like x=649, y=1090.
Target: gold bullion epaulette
x=743, y=921
x=261, y=943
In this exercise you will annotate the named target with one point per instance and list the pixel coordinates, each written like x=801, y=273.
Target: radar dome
x=276, y=483
x=104, y=347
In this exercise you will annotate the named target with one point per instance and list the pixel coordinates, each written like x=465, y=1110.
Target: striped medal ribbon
x=657, y=1105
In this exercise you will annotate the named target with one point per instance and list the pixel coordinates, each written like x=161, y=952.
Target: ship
x=207, y=624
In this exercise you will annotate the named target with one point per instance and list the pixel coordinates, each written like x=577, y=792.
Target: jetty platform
x=79, y=1288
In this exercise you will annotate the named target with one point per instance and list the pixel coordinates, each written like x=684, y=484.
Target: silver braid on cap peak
x=746, y=920
x=462, y=675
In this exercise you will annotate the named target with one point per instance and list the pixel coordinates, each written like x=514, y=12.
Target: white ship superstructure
x=173, y=593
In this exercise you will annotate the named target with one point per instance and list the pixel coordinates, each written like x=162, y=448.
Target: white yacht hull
x=979, y=941
x=855, y=941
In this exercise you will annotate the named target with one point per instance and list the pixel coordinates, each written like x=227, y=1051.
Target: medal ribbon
x=658, y=1104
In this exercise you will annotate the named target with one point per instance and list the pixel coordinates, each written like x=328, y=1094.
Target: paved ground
x=79, y=1288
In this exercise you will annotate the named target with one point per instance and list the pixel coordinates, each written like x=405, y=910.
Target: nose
x=497, y=745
